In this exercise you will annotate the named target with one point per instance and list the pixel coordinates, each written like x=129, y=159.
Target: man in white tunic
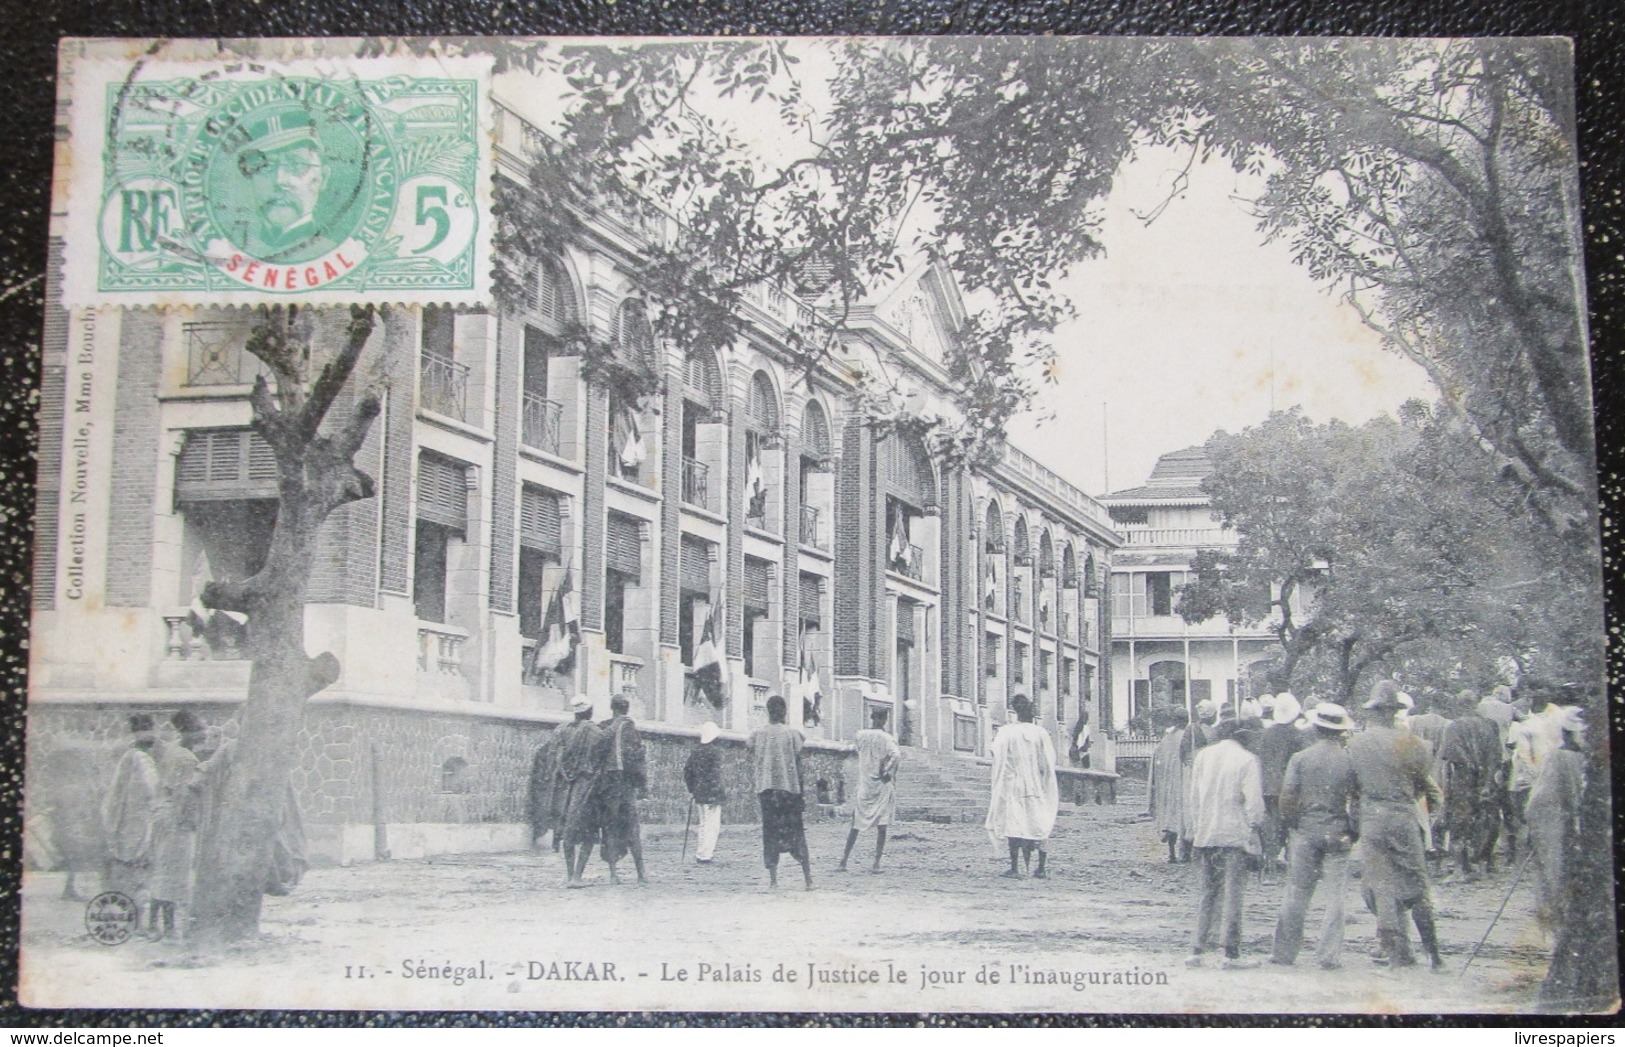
x=1026, y=796
x=876, y=802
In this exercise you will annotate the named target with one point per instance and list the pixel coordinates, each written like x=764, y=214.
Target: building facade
x=1159, y=660
x=744, y=507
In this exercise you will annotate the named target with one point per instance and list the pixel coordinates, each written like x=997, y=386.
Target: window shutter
x=905, y=622
x=811, y=598
x=694, y=566
x=443, y=491
x=623, y=546
x=756, y=584
x=539, y=526
x=225, y=465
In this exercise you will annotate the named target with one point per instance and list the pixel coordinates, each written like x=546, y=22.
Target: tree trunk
x=1584, y=971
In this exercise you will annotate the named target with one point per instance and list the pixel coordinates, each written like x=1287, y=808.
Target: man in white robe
x=876, y=802
x=1026, y=796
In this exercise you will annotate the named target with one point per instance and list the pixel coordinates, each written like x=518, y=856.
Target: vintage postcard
x=930, y=525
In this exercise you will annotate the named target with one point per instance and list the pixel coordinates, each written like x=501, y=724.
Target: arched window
x=992, y=557
x=816, y=484
x=1069, y=567
x=550, y=295
x=701, y=434
x=910, y=487
x=1046, y=556
x=761, y=433
x=635, y=348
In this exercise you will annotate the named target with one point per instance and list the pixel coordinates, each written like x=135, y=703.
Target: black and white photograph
x=964, y=525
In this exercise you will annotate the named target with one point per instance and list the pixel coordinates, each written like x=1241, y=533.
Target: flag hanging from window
x=629, y=442
x=707, y=674
x=555, y=652
x=755, y=486
x=990, y=597
x=812, y=696
x=898, y=553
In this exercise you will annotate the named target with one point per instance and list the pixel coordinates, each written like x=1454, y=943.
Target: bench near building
x=833, y=563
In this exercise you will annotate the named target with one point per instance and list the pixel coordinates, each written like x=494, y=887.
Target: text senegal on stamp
x=315, y=181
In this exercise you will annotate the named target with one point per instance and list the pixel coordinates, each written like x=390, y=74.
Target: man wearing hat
x=1391, y=769
x=578, y=766
x=703, y=776
x=128, y=812
x=283, y=165
x=1318, y=805
x=1275, y=747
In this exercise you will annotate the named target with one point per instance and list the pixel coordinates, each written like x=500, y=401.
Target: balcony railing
x=697, y=484
x=445, y=387
x=910, y=564
x=215, y=355
x=759, y=694
x=809, y=528
x=540, y=423
x=624, y=673
x=440, y=651
x=1201, y=536
x=185, y=641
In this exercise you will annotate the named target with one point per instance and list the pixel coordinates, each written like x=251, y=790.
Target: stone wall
x=437, y=781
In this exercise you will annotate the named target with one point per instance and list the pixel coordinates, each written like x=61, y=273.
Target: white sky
x=1177, y=328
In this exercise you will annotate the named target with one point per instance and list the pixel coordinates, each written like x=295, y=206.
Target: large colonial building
x=830, y=559
x=1158, y=659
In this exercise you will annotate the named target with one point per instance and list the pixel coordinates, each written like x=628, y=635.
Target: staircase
x=941, y=787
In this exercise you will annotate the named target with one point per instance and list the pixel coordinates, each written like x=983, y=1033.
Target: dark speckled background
x=28, y=35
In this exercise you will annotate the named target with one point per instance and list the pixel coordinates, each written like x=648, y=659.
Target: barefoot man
x=876, y=803
x=1026, y=797
x=775, y=758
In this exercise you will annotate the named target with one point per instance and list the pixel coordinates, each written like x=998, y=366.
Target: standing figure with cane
x=703, y=776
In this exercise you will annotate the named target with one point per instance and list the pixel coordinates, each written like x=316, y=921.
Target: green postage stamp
x=278, y=176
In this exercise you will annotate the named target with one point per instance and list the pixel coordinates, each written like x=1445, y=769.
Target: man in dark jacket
x=703, y=776
x=1470, y=753
x=621, y=781
x=576, y=796
x=1393, y=770
x=1275, y=748
x=1318, y=797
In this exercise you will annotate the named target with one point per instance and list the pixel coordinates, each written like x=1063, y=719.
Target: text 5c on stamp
x=315, y=181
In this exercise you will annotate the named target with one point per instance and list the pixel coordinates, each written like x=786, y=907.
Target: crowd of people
x=1416, y=796
x=159, y=803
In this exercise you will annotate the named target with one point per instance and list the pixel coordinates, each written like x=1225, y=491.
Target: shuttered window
x=222, y=464
x=905, y=622
x=812, y=598
x=443, y=491
x=623, y=546
x=539, y=526
x=694, y=566
x=756, y=584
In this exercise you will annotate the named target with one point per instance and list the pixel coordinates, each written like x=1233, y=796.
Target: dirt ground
x=937, y=930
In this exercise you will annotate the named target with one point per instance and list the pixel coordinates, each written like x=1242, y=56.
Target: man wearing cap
x=1224, y=810
x=286, y=173
x=1318, y=805
x=1026, y=796
x=578, y=749
x=1207, y=718
x=876, y=802
x=128, y=813
x=1391, y=769
x=1275, y=748
x=620, y=782
x=1470, y=753
x=702, y=773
